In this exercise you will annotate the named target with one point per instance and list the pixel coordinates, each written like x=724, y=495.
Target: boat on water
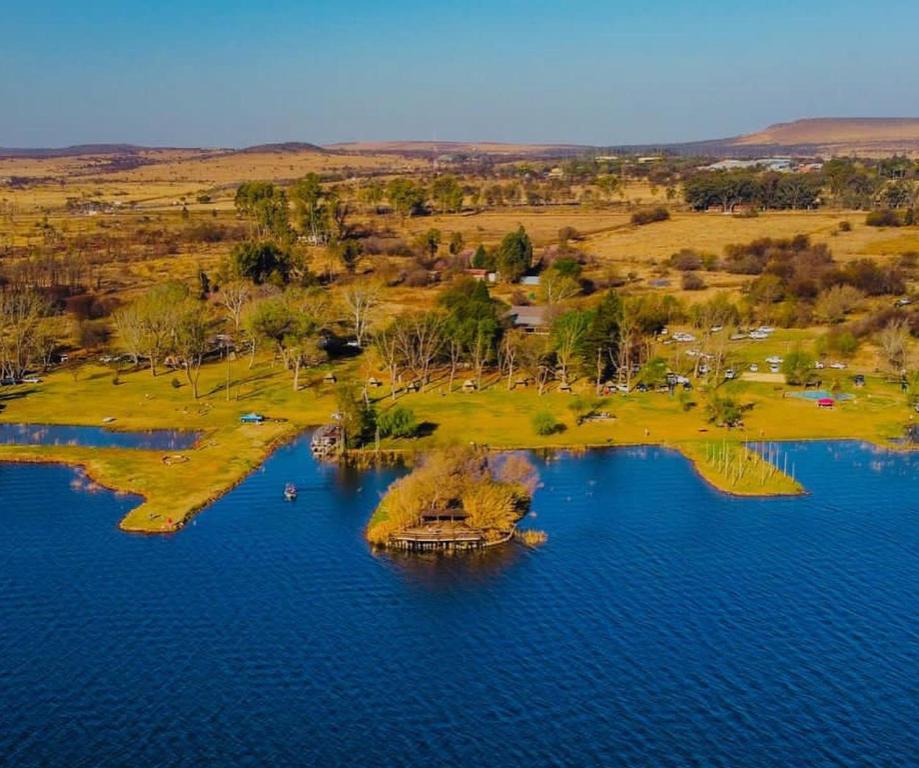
x=290, y=492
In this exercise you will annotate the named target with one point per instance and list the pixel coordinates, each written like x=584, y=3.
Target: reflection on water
x=447, y=571
x=96, y=437
x=662, y=624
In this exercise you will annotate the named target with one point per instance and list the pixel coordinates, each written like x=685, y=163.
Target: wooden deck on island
x=427, y=538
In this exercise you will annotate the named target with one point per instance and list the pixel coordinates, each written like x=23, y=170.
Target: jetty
x=327, y=441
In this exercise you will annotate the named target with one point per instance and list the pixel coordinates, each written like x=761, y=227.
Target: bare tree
x=508, y=353
x=190, y=342
x=455, y=351
x=556, y=287
x=129, y=323
x=159, y=310
x=388, y=347
x=21, y=313
x=568, y=335
x=233, y=297
x=420, y=338
x=360, y=301
x=536, y=359
x=893, y=340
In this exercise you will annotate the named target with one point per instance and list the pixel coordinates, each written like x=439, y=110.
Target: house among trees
x=530, y=319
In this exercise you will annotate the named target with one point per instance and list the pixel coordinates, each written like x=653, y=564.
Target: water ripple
x=662, y=624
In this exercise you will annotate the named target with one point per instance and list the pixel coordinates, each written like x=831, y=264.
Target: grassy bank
x=738, y=470
x=228, y=451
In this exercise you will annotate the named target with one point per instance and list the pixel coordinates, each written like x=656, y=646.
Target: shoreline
x=227, y=451
x=34, y=455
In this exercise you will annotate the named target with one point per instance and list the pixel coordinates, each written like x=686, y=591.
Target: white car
x=692, y=353
x=819, y=365
x=754, y=368
x=729, y=374
x=774, y=360
x=838, y=366
x=703, y=369
x=774, y=368
x=31, y=380
x=767, y=329
x=758, y=335
x=717, y=328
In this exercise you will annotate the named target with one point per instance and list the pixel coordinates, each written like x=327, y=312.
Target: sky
x=233, y=74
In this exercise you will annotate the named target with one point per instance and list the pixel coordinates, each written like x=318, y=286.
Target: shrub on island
x=476, y=492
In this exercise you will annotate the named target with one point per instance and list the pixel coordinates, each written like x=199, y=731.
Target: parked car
x=838, y=366
x=819, y=365
x=754, y=368
x=730, y=374
x=774, y=368
x=758, y=335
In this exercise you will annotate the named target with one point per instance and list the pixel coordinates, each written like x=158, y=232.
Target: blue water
x=96, y=437
x=820, y=394
x=661, y=625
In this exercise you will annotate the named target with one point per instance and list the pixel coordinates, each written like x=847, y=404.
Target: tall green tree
x=405, y=196
x=601, y=342
x=266, y=206
x=514, y=255
x=447, y=194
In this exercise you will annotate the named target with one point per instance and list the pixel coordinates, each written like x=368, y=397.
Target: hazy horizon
x=225, y=75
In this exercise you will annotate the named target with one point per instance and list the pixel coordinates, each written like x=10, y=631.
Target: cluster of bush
x=650, y=215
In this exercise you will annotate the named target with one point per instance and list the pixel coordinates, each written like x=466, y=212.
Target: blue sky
x=238, y=73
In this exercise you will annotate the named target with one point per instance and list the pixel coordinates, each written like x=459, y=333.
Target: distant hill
x=818, y=136
x=77, y=150
x=286, y=147
x=823, y=136
x=435, y=148
x=846, y=131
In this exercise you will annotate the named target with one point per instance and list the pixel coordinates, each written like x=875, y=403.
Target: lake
x=662, y=624
x=96, y=437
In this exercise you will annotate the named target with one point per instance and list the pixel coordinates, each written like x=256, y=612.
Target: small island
x=455, y=499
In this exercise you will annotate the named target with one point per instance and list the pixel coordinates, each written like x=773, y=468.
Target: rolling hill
x=821, y=136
